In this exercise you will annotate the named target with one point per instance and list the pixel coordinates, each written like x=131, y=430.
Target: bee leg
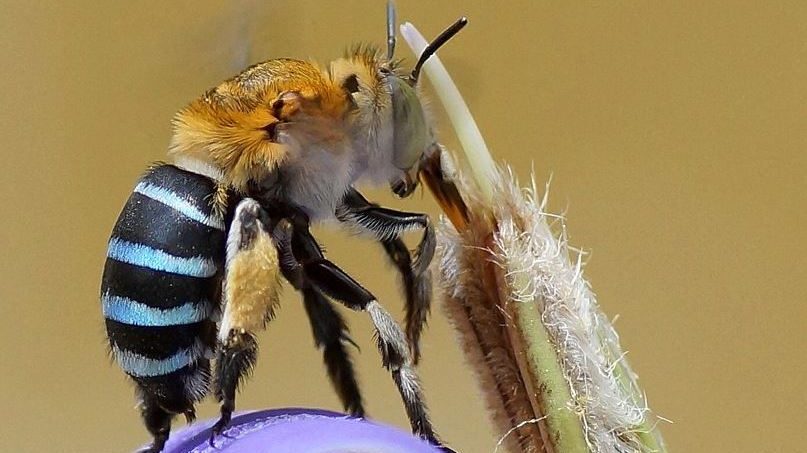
x=331, y=335
x=160, y=398
x=329, y=329
x=418, y=291
x=234, y=361
x=250, y=292
x=387, y=225
x=157, y=421
x=334, y=282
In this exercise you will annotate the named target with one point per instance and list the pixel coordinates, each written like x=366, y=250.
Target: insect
x=195, y=259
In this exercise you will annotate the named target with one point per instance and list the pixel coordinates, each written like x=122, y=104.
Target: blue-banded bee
x=195, y=259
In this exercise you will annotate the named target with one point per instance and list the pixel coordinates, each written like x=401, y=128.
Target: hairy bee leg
x=157, y=421
x=234, y=360
x=161, y=398
x=330, y=332
x=334, y=282
x=331, y=335
x=250, y=292
x=418, y=291
x=387, y=225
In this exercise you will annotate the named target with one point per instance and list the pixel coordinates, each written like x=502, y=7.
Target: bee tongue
x=443, y=188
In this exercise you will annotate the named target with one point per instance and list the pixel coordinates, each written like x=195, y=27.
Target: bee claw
x=150, y=449
x=219, y=429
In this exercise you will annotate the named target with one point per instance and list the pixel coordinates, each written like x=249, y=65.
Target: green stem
x=540, y=368
x=538, y=361
x=544, y=374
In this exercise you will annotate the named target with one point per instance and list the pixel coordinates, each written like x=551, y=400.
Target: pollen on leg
x=251, y=286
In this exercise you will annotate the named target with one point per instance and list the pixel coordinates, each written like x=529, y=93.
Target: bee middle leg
x=387, y=225
x=334, y=282
x=329, y=329
x=250, y=293
x=331, y=335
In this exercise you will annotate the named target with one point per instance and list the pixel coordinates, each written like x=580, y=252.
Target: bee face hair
x=387, y=119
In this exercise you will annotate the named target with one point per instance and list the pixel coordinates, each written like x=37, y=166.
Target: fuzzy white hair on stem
x=548, y=360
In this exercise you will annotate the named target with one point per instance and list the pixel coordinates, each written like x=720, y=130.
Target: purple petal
x=296, y=431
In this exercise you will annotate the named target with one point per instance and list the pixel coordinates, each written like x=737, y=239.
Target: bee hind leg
x=157, y=421
x=234, y=361
x=334, y=282
x=250, y=293
x=160, y=398
x=387, y=225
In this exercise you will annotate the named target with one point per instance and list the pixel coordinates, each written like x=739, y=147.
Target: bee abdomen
x=156, y=351
x=160, y=283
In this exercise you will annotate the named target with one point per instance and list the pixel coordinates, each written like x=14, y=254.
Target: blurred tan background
x=675, y=135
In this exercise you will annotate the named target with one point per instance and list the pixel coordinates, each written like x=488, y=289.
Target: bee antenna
x=441, y=39
x=391, y=21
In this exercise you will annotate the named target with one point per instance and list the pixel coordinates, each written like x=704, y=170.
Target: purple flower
x=296, y=431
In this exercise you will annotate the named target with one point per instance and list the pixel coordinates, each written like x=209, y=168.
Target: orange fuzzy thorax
x=229, y=126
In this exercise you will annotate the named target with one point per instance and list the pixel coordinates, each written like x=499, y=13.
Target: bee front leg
x=387, y=225
x=250, y=293
x=329, y=279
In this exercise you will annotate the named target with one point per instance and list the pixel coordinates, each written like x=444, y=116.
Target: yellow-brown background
x=675, y=133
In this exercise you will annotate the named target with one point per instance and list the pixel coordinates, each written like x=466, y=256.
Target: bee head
x=388, y=114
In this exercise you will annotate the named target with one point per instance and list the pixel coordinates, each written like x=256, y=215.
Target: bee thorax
x=315, y=178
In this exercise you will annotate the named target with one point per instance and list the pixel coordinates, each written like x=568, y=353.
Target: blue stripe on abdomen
x=145, y=256
x=141, y=366
x=128, y=311
x=156, y=288
x=179, y=204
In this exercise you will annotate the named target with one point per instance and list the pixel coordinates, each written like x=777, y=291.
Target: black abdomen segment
x=160, y=285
